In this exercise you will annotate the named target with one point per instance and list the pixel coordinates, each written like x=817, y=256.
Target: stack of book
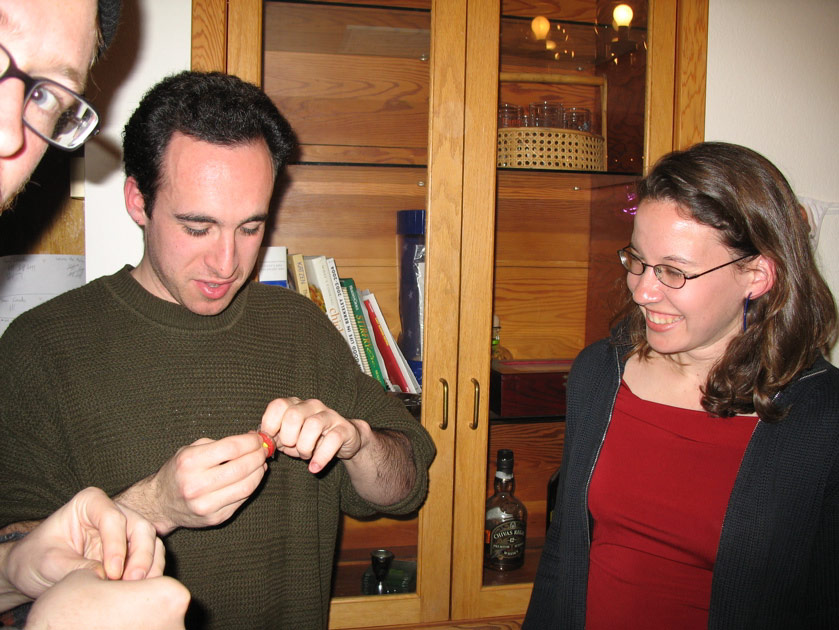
x=356, y=314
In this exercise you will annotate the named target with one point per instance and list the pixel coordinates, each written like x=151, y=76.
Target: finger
x=297, y=419
x=273, y=416
x=159, y=563
x=233, y=486
x=106, y=540
x=313, y=427
x=325, y=450
x=203, y=457
x=142, y=546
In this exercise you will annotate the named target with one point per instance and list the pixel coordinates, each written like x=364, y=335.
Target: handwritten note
x=31, y=279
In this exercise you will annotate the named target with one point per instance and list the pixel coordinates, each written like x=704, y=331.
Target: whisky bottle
x=506, y=519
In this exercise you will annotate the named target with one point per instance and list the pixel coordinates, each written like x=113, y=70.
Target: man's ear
x=134, y=202
x=763, y=275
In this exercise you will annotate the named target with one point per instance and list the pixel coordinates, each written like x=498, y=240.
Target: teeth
x=662, y=319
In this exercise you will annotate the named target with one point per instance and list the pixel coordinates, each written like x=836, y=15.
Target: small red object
x=267, y=443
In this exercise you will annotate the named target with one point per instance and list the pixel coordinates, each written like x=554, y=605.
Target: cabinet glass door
x=356, y=82
x=569, y=98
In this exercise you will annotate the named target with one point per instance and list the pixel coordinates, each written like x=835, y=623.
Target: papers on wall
x=31, y=279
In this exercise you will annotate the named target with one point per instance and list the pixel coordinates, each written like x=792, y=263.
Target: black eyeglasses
x=667, y=275
x=54, y=112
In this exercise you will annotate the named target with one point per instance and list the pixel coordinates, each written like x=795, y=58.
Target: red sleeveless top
x=658, y=497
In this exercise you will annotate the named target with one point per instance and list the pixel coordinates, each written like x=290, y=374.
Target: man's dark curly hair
x=212, y=107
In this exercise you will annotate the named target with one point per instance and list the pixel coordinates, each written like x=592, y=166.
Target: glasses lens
x=59, y=115
x=631, y=263
x=670, y=276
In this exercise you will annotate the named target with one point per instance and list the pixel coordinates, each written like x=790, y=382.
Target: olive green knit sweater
x=103, y=384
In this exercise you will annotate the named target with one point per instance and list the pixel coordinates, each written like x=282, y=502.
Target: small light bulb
x=622, y=15
x=550, y=44
x=540, y=25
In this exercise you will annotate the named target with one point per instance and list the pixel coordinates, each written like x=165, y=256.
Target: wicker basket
x=551, y=148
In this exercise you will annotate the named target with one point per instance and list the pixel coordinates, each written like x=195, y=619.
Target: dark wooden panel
x=44, y=219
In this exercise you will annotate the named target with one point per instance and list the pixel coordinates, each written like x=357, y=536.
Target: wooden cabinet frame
x=227, y=36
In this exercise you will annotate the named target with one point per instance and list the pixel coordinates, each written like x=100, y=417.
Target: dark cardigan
x=777, y=562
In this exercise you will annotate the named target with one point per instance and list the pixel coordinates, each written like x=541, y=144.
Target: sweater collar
x=131, y=293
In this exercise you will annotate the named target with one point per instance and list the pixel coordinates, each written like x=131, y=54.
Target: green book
x=363, y=331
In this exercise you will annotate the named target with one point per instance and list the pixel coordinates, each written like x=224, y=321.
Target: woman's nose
x=647, y=287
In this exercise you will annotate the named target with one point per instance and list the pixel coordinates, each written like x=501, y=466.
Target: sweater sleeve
x=35, y=474
x=823, y=587
x=345, y=388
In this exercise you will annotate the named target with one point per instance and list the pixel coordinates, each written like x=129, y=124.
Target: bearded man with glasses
x=84, y=565
x=46, y=51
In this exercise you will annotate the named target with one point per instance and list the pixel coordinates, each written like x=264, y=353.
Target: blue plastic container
x=410, y=227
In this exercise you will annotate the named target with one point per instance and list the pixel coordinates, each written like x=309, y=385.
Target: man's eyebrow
x=195, y=218
x=202, y=218
x=262, y=216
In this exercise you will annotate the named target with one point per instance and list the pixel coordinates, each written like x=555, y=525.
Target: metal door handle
x=445, y=423
x=476, y=405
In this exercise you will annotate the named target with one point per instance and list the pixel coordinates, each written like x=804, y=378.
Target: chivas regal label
x=506, y=541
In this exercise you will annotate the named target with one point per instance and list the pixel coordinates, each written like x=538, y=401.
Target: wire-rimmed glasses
x=54, y=112
x=667, y=275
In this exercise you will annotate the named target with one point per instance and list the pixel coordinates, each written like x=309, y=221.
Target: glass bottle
x=498, y=351
x=506, y=519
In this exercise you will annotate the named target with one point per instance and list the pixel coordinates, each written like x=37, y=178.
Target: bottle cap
x=504, y=460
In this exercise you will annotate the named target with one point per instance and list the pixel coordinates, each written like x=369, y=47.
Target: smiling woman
x=711, y=395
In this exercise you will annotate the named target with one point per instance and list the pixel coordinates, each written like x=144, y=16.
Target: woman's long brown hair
x=743, y=196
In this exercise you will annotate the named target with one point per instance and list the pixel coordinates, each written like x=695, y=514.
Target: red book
x=394, y=372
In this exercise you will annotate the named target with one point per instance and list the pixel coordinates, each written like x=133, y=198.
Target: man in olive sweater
x=151, y=383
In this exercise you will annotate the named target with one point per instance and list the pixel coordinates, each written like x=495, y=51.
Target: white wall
x=153, y=41
x=773, y=85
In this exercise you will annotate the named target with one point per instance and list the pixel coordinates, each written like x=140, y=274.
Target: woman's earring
x=745, y=310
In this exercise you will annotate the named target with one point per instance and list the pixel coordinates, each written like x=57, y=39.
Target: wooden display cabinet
x=394, y=104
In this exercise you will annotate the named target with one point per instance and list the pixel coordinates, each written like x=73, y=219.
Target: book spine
x=384, y=341
x=321, y=290
x=344, y=312
x=367, y=343
x=272, y=265
x=297, y=274
x=389, y=386
x=365, y=364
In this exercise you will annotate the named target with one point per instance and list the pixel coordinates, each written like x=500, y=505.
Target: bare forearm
x=383, y=470
x=142, y=497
